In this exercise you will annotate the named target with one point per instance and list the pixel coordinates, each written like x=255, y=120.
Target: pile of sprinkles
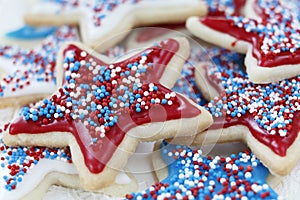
x=275, y=36
x=17, y=162
x=27, y=66
x=277, y=30
x=97, y=10
x=224, y=7
x=97, y=93
x=273, y=106
x=186, y=83
x=193, y=176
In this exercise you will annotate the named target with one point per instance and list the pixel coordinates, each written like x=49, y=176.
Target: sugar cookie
x=103, y=110
x=104, y=23
x=270, y=41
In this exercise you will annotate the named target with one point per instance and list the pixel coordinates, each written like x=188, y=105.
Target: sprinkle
x=276, y=33
x=98, y=99
x=217, y=183
x=224, y=7
x=271, y=105
x=34, y=66
x=17, y=162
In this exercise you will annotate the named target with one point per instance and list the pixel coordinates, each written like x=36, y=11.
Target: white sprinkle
x=248, y=175
x=83, y=54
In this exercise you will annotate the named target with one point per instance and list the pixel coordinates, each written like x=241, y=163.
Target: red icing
x=95, y=158
x=97, y=155
x=276, y=143
x=270, y=60
x=239, y=4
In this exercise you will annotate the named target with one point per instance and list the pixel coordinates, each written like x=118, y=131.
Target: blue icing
x=31, y=33
x=193, y=176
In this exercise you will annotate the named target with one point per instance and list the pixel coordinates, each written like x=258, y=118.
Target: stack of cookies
x=131, y=99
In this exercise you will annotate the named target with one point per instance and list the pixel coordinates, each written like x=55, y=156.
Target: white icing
x=34, y=88
x=34, y=177
x=6, y=64
x=15, y=67
x=52, y=8
x=112, y=19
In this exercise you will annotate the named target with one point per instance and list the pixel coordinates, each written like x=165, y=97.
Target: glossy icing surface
x=275, y=39
x=99, y=103
x=270, y=111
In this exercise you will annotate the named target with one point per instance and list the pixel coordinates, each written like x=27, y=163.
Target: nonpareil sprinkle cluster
x=97, y=94
x=224, y=7
x=272, y=106
x=193, y=176
x=97, y=9
x=16, y=162
x=32, y=65
x=278, y=29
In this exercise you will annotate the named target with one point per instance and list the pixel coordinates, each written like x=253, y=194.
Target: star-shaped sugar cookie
x=29, y=74
x=148, y=35
x=103, y=110
x=103, y=23
x=28, y=172
x=268, y=35
x=190, y=175
x=264, y=116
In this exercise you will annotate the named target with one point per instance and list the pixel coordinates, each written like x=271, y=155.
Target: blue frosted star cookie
x=190, y=175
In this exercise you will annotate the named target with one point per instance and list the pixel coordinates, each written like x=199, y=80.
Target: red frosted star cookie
x=264, y=116
x=271, y=41
x=104, y=23
x=27, y=172
x=103, y=110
